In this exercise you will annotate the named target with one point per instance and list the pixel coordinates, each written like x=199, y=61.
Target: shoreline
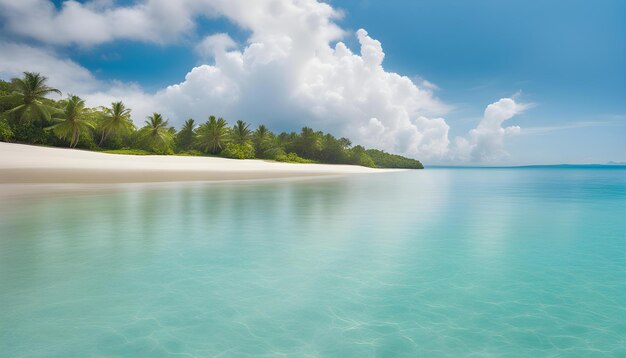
x=23, y=165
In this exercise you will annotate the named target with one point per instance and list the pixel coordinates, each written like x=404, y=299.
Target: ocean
x=444, y=262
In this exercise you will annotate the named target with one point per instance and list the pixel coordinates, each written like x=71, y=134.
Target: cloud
x=485, y=143
x=293, y=70
x=96, y=22
x=160, y=21
x=214, y=45
x=65, y=74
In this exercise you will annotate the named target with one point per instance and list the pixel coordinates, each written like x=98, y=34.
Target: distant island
x=28, y=116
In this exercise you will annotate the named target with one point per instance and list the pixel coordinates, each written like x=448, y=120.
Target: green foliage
x=334, y=150
x=240, y=134
x=266, y=144
x=386, y=160
x=115, y=121
x=128, y=151
x=8, y=99
x=212, y=136
x=29, y=132
x=6, y=134
x=75, y=121
x=30, y=92
x=359, y=156
x=156, y=136
x=5, y=88
x=292, y=158
x=184, y=138
x=308, y=143
x=273, y=153
x=116, y=142
x=238, y=151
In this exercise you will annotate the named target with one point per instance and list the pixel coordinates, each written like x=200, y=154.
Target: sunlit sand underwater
x=440, y=262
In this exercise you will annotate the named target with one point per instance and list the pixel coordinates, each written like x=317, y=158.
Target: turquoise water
x=440, y=262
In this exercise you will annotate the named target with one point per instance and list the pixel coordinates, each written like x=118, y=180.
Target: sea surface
x=434, y=263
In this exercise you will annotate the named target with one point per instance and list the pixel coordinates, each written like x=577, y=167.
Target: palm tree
x=212, y=136
x=308, y=143
x=156, y=134
x=261, y=139
x=189, y=125
x=74, y=119
x=184, y=137
x=345, y=142
x=116, y=120
x=261, y=133
x=30, y=91
x=241, y=133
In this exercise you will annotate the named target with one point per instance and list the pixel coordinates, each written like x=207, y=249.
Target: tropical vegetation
x=74, y=120
x=28, y=115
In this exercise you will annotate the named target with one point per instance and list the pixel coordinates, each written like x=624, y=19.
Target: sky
x=447, y=82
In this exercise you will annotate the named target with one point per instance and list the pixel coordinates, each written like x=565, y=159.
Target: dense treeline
x=28, y=116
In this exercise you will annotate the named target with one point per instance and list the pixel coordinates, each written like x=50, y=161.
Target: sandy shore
x=26, y=164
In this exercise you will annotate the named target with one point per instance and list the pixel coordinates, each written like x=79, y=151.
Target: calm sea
x=440, y=262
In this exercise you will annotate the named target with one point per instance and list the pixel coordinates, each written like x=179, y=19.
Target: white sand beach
x=26, y=164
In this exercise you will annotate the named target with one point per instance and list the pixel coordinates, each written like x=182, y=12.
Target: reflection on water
x=432, y=263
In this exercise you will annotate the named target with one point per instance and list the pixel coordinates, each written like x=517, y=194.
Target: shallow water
x=440, y=262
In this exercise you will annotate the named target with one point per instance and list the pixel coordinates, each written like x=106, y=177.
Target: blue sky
x=567, y=57
x=564, y=61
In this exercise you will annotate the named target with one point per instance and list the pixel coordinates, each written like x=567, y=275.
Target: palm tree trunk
x=74, y=138
x=104, y=136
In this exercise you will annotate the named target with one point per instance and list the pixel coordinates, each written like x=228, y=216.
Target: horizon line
x=562, y=165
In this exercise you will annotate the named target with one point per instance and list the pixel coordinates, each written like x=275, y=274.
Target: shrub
x=86, y=142
x=366, y=161
x=6, y=134
x=358, y=156
x=274, y=153
x=292, y=158
x=31, y=132
x=128, y=151
x=113, y=142
x=238, y=151
x=385, y=160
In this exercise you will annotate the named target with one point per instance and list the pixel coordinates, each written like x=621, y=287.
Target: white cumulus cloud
x=485, y=143
x=65, y=74
x=214, y=45
x=96, y=22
